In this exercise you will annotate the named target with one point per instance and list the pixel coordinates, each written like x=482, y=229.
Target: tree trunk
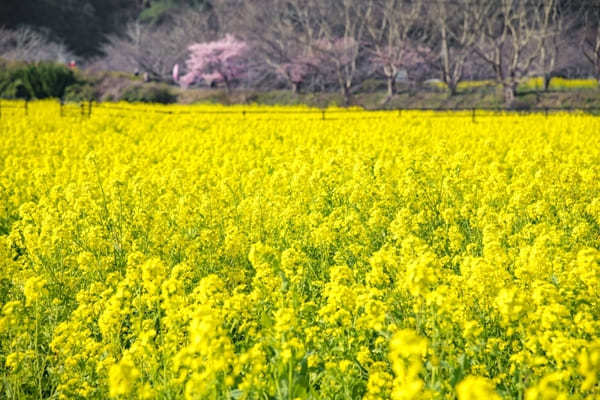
x=446, y=73
x=346, y=94
x=227, y=86
x=295, y=87
x=391, y=86
x=452, y=87
x=547, y=79
x=510, y=92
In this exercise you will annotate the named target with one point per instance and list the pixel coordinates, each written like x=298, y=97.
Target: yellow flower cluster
x=560, y=84
x=534, y=83
x=216, y=254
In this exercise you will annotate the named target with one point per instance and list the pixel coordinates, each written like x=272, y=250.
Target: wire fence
x=85, y=110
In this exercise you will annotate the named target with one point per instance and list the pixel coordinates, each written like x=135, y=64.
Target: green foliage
x=35, y=81
x=524, y=102
x=149, y=93
x=46, y=80
x=158, y=10
x=80, y=92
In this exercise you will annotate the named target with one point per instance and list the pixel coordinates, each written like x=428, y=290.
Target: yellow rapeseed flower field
x=534, y=83
x=147, y=255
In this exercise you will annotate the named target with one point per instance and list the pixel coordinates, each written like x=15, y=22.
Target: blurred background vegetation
x=126, y=50
x=84, y=25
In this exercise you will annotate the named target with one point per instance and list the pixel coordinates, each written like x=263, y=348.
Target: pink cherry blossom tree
x=296, y=70
x=220, y=61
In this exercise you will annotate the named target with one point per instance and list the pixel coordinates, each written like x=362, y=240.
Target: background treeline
x=316, y=46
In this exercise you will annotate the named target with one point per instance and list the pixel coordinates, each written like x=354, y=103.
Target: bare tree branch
x=27, y=44
x=513, y=36
x=156, y=49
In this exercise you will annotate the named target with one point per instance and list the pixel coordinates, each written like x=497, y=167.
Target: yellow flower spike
x=285, y=319
x=547, y=388
x=122, y=377
x=34, y=289
x=407, y=350
x=589, y=365
x=475, y=388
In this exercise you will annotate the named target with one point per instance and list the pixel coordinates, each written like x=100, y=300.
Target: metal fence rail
x=87, y=109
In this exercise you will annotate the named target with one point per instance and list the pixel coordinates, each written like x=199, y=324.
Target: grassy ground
x=471, y=98
x=372, y=94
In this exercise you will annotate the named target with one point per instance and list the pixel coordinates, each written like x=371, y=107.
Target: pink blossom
x=219, y=61
x=391, y=59
x=297, y=69
x=343, y=50
x=187, y=80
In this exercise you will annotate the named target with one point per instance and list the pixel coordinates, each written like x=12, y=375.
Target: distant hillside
x=83, y=25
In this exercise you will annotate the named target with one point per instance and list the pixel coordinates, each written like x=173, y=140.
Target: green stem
x=290, y=379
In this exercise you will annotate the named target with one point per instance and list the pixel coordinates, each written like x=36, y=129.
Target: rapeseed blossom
x=476, y=387
x=122, y=377
x=231, y=255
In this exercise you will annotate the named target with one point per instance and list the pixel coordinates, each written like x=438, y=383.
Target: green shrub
x=45, y=80
x=80, y=92
x=149, y=93
x=35, y=81
x=9, y=83
x=12, y=87
x=524, y=102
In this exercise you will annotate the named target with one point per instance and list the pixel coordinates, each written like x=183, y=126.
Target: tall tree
x=396, y=35
x=341, y=30
x=155, y=49
x=278, y=33
x=458, y=27
x=512, y=38
x=222, y=60
x=590, y=39
x=26, y=44
x=554, y=21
